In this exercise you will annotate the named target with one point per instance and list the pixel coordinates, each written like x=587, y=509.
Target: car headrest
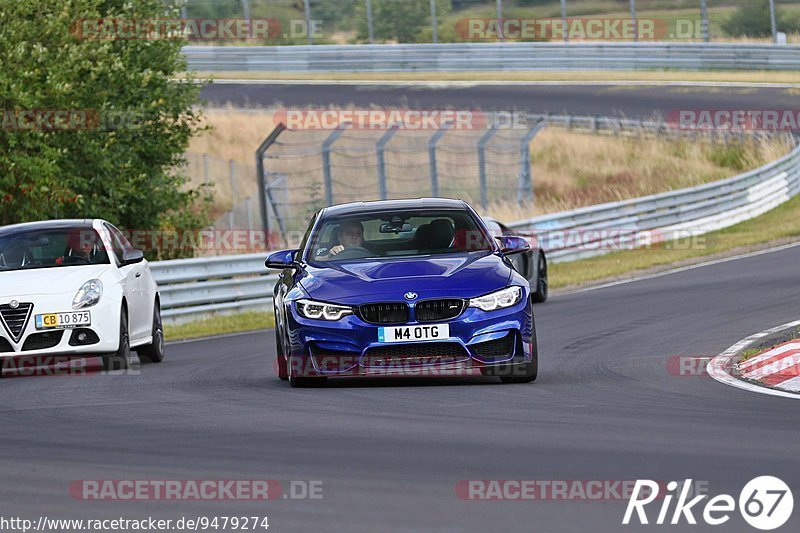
x=442, y=233
x=422, y=236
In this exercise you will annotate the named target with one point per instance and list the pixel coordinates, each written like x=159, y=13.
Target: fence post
x=432, y=159
x=326, y=161
x=633, y=18
x=380, y=148
x=525, y=188
x=264, y=194
x=482, y=164
x=434, y=23
x=370, y=30
x=564, y=19
x=500, y=20
x=307, y=10
x=206, y=180
x=704, y=20
x=248, y=204
x=232, y=171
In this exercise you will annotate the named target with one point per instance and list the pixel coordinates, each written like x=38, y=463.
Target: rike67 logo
x=765, y=503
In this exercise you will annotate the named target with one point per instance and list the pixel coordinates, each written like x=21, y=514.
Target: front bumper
x=479, y=340
x=102, y=335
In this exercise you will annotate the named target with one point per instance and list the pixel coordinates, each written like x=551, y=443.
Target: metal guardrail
x=493, y=57
x=194, y=287
x=605, y=228
x=191, y=288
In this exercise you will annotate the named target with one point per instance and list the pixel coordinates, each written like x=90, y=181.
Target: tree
x=121, y=164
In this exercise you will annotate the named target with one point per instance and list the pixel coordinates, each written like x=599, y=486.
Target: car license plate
x=428, y=332
x=63, y=320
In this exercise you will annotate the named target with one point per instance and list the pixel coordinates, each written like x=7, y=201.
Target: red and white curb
x=775, y=371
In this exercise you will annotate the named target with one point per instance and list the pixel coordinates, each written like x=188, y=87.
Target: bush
x=121, y=166
x=752, y=20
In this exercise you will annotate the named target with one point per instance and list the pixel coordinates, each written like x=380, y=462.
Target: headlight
x=321, y=310
x=88, y=295
x=497, y=300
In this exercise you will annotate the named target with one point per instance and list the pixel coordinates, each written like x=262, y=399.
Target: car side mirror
x=130, y=257
x=282, y=259
x=510, y=244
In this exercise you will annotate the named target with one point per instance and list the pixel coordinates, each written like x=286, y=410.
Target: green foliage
x=122, y=166
x=403, y=21
x=751, y=19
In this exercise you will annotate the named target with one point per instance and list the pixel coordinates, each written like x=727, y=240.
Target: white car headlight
x=88, y=295
x=321, y=310
x=498, y=299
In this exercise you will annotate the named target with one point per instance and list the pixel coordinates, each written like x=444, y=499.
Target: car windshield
x=397, y=234
x=51, y=248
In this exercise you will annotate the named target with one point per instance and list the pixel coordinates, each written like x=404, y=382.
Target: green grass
x=220, y=325
x=781, y=223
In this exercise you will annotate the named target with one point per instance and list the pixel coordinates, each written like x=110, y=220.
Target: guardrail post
x=525, y=188
x=482, y=164
x=326, y=161
x=432, y=159
x=380, y=148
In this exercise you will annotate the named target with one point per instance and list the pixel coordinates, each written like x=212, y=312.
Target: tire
x=304, y=382
x=280, y=357
x=122, y=358
x=154, y=352
x=540, y=295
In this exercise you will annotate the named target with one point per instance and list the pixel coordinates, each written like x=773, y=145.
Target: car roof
x=82, y=223
x=393, y=205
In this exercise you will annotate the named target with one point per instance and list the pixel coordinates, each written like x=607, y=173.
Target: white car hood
x=19, y=284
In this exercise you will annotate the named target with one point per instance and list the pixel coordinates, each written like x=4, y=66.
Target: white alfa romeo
x=77, y=288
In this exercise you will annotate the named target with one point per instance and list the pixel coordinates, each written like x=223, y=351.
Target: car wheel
x=154, y=352
x=541, y=281
x=301, y=382
x=121, y=359
x=280, y=356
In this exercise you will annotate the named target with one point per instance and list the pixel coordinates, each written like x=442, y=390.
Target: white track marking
x=717, y=367
x=791, y=384
x=788, y=347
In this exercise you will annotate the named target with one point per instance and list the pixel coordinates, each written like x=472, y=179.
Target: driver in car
x=78, y=248
x=351, y=234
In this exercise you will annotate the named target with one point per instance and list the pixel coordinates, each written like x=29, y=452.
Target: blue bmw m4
x=402, y=288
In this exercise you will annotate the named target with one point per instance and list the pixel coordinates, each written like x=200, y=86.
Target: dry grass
x=570, y=169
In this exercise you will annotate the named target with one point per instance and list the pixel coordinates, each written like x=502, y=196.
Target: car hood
x=462, y=276
x=19, y=284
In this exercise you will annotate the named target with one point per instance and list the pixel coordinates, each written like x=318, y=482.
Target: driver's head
x=80, y=243
x=351, y=233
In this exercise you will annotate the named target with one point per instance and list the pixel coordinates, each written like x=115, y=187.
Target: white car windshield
x=51, y=248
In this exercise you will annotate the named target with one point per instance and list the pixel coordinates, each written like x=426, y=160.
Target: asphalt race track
x=389, y=453
x=641, y=102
